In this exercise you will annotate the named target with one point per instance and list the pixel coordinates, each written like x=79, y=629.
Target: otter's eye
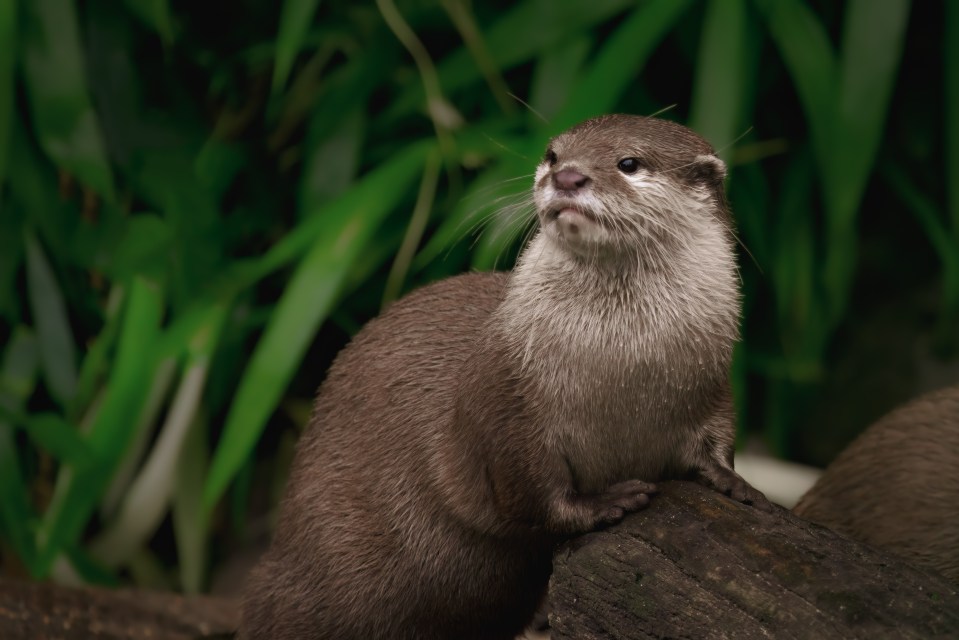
x=629, y=165
x=550, y=157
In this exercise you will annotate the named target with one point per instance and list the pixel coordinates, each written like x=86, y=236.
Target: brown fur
x=487, y=416
x=897, y=485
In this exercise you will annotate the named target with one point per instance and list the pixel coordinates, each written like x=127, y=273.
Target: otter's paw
x=730, y=483
x=620, y=499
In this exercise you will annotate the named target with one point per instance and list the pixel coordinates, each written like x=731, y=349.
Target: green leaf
x=804, y=45
x=492, y=194
x=923, y=209
x=846, y=107
x=950, y=45
x=346, y=227
x=332, y=162
x=508, y=213
x=143, y=249
x=608, y=75
x=57, y=349
x=17, y=381
x=95, y=365
x=750, y=193
x=295, y=20
x=620, y=61
x=33, y=193
x=189, y=521
x=63, y=441
x=148, y=498
x=348, y=89
x=718, y=88
x=11, y=258
x=55, y=78
x=298, y=241
x=794, y=256
x=926, y=212
x=89, y=569
x=511, y=41
x=414, y=229
x=78, y=490
x=155, y=14
x=556, y=74
x=873, y=39
x=872, y=47
x=464, y=19
x=217, y=165
x=8, y=56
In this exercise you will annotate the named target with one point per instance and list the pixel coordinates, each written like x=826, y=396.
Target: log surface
x=695, y=564
x=33, y=610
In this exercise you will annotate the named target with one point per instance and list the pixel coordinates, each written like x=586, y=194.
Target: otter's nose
x=569, y=180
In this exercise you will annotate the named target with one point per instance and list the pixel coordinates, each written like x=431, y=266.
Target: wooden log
x=34, y=610
x=695, y=564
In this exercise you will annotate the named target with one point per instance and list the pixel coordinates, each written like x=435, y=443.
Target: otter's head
x=628, y=184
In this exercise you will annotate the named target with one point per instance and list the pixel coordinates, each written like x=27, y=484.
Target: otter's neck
x=624, y=308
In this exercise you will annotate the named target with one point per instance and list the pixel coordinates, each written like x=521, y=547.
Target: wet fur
x=486, y=417
x=897, y=485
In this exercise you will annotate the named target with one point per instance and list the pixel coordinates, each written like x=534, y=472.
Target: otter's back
x=897, y=485
x=361, y=520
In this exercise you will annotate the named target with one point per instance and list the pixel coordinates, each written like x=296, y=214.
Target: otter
x=486, y=417
x=896, y=486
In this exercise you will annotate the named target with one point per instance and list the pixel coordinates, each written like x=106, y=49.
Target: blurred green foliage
x=198, y=206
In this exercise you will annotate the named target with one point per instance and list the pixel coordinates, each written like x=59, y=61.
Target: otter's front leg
x=571, y=513
x=712, y=461
x=723, y=479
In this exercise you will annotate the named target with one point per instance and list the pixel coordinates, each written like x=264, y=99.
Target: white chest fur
x=617, y=356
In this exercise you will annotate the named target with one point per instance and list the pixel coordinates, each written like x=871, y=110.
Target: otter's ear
x=707, y=170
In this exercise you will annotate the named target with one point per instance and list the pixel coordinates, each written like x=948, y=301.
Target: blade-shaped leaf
x=871, y=50
x=8, y=48
x=189, y=521
x=295, y=19
x=608, y=75
x=155, y=14
x=718, y=89
x=17, y=380
x=78, y=491
x=149, y=496
x=620, y=61
x=347, y=225
x=511, y=41
x=804, y=45
x=57, y=349
x=556, y=75
x=60, y=102
x=950, y=46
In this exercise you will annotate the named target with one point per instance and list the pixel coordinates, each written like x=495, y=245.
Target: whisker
x=662, y=111
x=749, y=253
x=485, y=211
x=503, y=146
x=526, y=104
x=737, y=139
x=718, y=151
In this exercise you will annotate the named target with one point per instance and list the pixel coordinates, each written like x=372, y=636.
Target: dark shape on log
x=32, y=611
x=698, y=565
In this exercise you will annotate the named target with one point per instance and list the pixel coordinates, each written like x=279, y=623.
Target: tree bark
x=695, y=564
x=32, y=611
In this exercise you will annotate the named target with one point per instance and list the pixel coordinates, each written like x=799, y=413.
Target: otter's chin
x=578, y=230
